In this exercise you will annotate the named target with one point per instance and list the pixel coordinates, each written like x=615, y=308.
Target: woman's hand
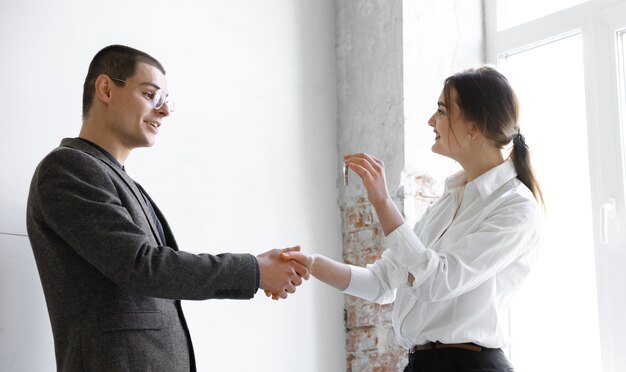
x=329, y=271
x=294, y=254
x=305, y=259
x=274, y=259
x=372, y=173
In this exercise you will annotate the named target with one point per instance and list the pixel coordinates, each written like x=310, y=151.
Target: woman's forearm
x=331, y=272
x=388, y=215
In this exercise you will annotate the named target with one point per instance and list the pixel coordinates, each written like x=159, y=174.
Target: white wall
x=247, y=163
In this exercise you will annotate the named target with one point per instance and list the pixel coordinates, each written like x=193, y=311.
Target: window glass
x=556, y=309
x=514, y=12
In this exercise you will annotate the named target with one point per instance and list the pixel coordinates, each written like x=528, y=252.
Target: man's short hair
x=116, y=61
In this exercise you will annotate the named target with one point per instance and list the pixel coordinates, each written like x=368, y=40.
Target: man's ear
x=103, y=86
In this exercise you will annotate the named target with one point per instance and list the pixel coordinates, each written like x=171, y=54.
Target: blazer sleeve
x=81, y=203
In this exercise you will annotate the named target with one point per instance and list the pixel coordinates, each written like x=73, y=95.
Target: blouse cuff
x=363, y=283
x=405, y=246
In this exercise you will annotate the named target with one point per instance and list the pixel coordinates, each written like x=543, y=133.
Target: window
x=621, y=56
x=558, y=140
x=566, y=61
x=514, y=12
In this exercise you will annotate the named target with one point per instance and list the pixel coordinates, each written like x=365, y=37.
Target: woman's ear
x=473, y=131
x=103, y=88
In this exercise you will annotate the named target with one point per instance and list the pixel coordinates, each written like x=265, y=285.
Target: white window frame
x=598, y=21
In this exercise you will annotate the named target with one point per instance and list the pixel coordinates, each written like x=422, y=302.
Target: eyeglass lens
x=158, y=99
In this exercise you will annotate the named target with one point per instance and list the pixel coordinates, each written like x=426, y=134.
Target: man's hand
x=280, y=277
x=308, y=260
x=329, y=271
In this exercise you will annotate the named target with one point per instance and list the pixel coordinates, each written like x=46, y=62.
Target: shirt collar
x=454, y=182
x=103, y=151
x=487, y=182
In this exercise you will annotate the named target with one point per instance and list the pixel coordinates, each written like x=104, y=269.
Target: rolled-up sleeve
x=366, y=285
x=377, y=282
x=499, y=240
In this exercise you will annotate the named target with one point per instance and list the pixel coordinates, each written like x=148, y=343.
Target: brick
x=362, y=238
x=354, y=301
x=381, y=338
x=362, y=247
x=361, y=339
x=387, y=338
x=363, y=257
x=375, y=361
x=358, y=216
x=368, y=314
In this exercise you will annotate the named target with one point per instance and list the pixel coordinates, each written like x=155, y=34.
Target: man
x=110, y=268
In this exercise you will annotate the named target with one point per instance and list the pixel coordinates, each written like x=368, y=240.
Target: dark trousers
x=458, y=360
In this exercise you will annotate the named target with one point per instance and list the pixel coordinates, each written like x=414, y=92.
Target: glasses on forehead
x=158, y=98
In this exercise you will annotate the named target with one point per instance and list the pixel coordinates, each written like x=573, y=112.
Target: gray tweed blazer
x=112, y=287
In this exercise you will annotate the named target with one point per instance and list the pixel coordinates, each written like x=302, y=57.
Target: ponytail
x=521, y=159
x=486, y=98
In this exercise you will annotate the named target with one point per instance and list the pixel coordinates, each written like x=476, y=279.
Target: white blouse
x=469, y=254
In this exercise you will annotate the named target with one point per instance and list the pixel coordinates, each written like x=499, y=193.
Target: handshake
x=282, y=270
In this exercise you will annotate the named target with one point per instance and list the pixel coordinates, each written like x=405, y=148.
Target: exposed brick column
x=370, y=340
x=370, y=119
x=391, y=53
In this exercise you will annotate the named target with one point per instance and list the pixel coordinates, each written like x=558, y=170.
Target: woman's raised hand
x=372, y=173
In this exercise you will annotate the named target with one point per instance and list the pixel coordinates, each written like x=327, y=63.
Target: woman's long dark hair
x=487, y=99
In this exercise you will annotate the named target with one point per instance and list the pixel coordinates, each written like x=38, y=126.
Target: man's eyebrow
x=151, y=84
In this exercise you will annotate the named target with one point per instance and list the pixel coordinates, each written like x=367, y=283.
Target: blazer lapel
x=86, y=148
x=169, y=237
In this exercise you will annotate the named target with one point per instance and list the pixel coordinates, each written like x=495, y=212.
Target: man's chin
x=148, y=142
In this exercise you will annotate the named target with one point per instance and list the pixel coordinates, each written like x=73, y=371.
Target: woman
x=452, y=276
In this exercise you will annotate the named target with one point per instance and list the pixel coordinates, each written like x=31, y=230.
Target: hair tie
x=518, y=139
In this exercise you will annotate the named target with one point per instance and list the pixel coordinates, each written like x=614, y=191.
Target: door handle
x=607, y=212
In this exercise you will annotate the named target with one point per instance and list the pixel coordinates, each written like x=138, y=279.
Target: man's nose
x=164, y=111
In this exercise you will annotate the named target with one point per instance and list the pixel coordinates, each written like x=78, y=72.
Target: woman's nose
x=431, y=121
